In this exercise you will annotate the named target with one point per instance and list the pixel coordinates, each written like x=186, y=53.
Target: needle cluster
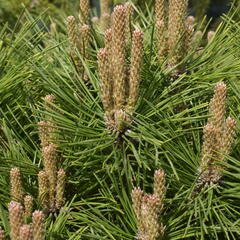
x=79, y=38
x=21, y=231
x=218, y=137
x=119, y=83
x=49, y=179
x=148, y=208
x=173, y=31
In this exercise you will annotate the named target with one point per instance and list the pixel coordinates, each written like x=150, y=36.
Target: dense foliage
x=103, y=166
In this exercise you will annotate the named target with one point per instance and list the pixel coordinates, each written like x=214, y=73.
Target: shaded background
x=213, y=8
x=11, y=9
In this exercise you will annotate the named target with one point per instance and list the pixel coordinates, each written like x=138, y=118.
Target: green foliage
x=103, y=167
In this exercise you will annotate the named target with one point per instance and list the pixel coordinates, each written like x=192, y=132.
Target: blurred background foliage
x=10, y=10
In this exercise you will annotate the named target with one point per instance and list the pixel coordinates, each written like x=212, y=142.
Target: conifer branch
x=218, y=137
x=148, y=208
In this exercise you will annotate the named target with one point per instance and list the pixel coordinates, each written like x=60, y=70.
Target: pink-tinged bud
x=70, y=18
x=210, y=36
x=218, y=136
x=84, y=40
x=137, y=195
x=129, y=19
x=136, y=59
x=50, y=163
x=161, y=29
x=217, y=106
x=28, y=206
x=105, y=82
x=119, y=39
x=73, y=38
x=208, y=138
x=84, y=11
x=61, y=178
x=72, y=31
x=50, y=98
x=95, y=20
x=176, y=29
x=2, y=236
x=161, y=40
x=26, y=232
x=15, y=219
x=43, y=188
x=43, y=133
x=149, y=215
x=229, y=133
x=159, y=187
x=190, y=20
x=160, y=11
x=189, y=33
x=108, y=36
x=38, y=225
x=16, y=185
x=148, y=208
